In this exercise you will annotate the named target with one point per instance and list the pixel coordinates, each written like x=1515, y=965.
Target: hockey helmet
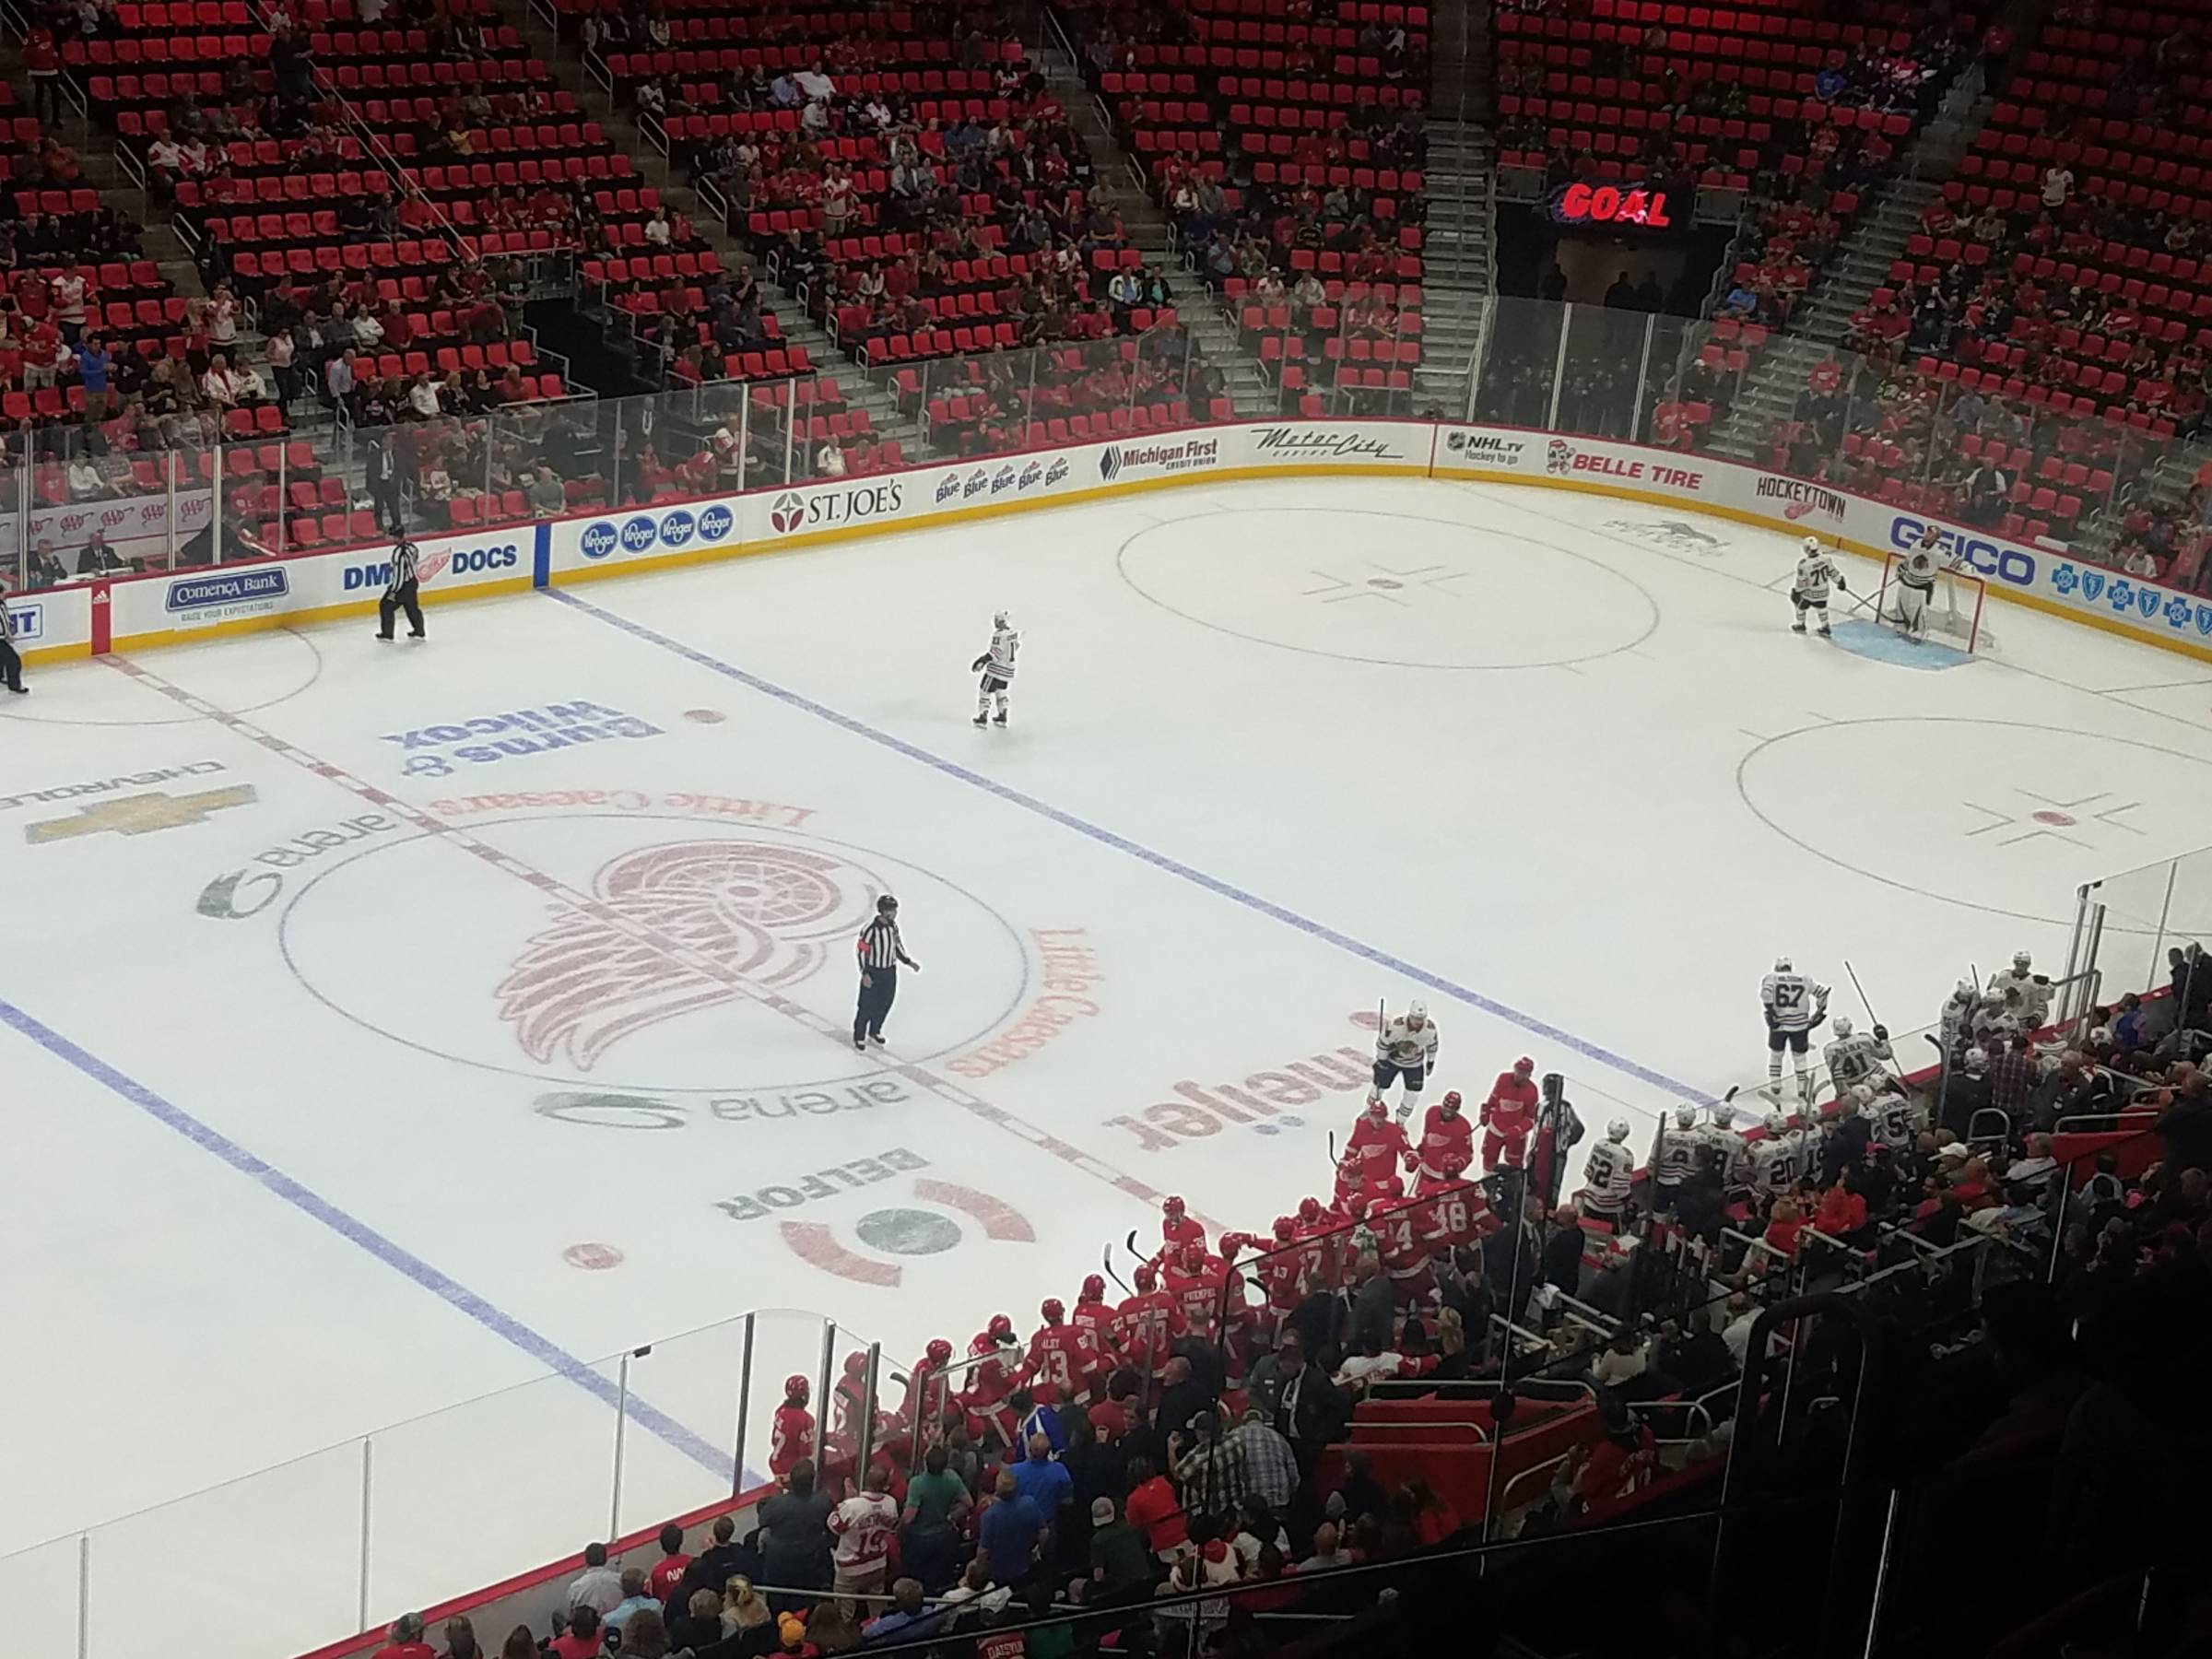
x=1617, y=1129
x=1526, y=1067
x=1966, y=990
x=939, y=1351
x=1416, y=1012
x=1686, y=1116
x=1001, y=620
x=1356, y=1205
x=1094, y=1288
x=856, y=1362
x=1976, y=1059
x=1286, y=1226
x=1145, y=1277
x=1776, y=1122
x=1451, y=1103
x=2022, y=961
x=1170, y=1206
x=795, y=1390
x=1811, y=544
x=1782, y=964
x=1000, y=1328
x=1861, y=1095
x=1308, y=1209
x=1377, y=1106
x=1843, y=1025
x=1053, y=1312
x=1191, y=1258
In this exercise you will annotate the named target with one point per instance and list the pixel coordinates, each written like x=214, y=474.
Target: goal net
x=1954, y=609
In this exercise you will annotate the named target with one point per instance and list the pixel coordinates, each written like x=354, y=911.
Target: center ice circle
x=672, y=956
x=1387, y=587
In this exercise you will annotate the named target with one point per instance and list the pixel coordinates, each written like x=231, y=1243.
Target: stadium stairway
x=1860, y=266
x=796, y=327
x=1458, y=256
x=1247, y=387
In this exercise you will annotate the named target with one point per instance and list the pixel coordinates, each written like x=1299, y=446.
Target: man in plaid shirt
x=1270, y=1466
x=2011, y=1077
x=1214, y=1475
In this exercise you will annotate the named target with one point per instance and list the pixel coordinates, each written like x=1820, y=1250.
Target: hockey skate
x=1824, y=631
x=982, y=720
x=1796, y=627
x=999, y=719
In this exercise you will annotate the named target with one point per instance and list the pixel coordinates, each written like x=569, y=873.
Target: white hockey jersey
x=1816, y=574
x=1956, y=1017
x=1401, y=1045
x=1006, y=644
x=2035, y=999
x=1918, y=567
x=1793, y=1001
x=1680, y=1152
x=1777, y=1162
x=1854, y=1059
x=1609, y=1173
x=1895, y=1121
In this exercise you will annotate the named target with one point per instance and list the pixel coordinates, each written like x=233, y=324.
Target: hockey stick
x=1871, y=1015
x=1106, y=1260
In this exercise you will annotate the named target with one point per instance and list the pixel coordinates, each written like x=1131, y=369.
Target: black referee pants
x=878, y=987
x=392, y=602
x=11, y=666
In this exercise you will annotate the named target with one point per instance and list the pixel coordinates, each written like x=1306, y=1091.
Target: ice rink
x=459, y=1013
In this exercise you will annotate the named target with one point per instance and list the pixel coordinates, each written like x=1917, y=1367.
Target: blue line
x=503, y=1326
x=1121, y=843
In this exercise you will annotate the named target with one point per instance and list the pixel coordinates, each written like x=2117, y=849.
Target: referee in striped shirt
x=882, y=953
x=401, y=594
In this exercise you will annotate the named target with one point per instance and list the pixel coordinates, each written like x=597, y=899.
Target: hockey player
x=1809, y=589
x=1508, y=1116
x=925, y=1394
x=1916, y=574
x=1150, y=1319
x=1777, y=1159
x=1194, y=1278
x=1176, y=1228
x=2034, y=989
x=996, y=666
x=791, y=1436
x=1379, y=1142
x=1608, y=1175
x=1410, y=1233
x=1851, y=1057
x=1955, y=1024
x=1681, y=1151
x=1897, y=1122
x=1794, y=1004
x=991, y=1380
x=1282, y=1271
x=1447, y=1147
x=1062, y=1357
x=1404, y=1050
x=1092, y=1315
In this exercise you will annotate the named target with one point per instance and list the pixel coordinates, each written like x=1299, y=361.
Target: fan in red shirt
x=668, y=1571
x=992, y=1381
x=1150, y=1319
x=1091, y=1313
x=1061, y=1358
x=1379, y=1144
x=791, y=1440
x=1447, y=1145
x=1508, y=1116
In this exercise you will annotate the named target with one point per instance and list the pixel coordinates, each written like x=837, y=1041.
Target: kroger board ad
x=274, y=591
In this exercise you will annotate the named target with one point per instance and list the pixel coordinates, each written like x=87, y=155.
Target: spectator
x=1010, y=1533
x=1042, y=1481
x=906, y=1621
x=794, y=1525
x=698, y=1626
x=862, y=1525
x=94, y=362
x=1328, y=1552
x=937, y=1505
x=598, y=1586
x=1155, y=1511
x=1120, y=1564
x=519, y=1644
x=633, y=1597
x=406, y=1639
x=85, y=481
x=668, y=1571
x=583, y=1639
x=1270, y=1465
x=720, y=1563
x=647, y=1637
x=461, y=1638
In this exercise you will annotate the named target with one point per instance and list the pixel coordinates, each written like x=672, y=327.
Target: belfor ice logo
x=787, y=512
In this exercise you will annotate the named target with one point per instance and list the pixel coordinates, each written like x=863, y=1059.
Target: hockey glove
x=1882, y=1032
x=977, y=666
x=1771, y=1021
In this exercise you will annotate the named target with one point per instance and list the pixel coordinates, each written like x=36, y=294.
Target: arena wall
x=135, y=613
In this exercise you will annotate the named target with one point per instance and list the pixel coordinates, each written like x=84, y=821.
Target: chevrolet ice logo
x=140, y=813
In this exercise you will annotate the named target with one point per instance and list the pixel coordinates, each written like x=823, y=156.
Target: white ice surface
x=279, y=1181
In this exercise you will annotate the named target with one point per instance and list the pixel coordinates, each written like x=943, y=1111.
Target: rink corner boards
x=135, y=613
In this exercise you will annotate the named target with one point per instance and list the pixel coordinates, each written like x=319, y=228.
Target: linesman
x=882, y=954
x=401, y=592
